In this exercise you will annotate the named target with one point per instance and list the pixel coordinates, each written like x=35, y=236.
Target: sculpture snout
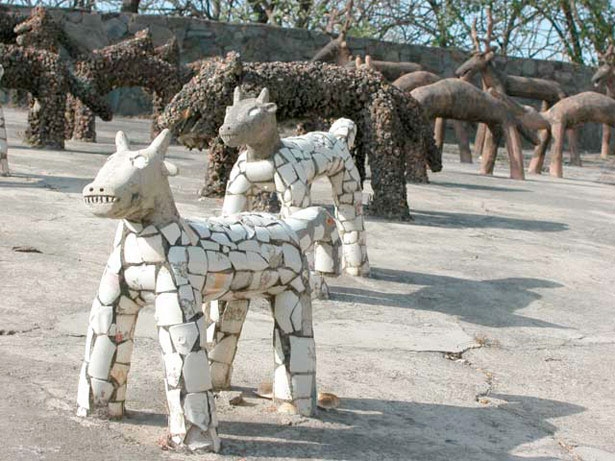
x=97, y=197
x=229, y=135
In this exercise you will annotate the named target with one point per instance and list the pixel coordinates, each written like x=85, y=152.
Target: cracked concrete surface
x=486, y=332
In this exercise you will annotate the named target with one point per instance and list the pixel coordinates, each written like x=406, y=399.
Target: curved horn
x=159, y=146
x=474, y=35
x=121, y=141
x=263, y=97
x=237, y=95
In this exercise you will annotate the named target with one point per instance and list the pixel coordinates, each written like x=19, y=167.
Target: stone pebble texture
x=131, y=63
x=177, y=265
x=392, y=130
x=34, y=65
x=4, y=147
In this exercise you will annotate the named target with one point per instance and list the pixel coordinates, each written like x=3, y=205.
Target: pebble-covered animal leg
x=4, y=160
x=348, y=199
x=192, y=412
x=109, y=344
x=222, y=336
x=294, y=378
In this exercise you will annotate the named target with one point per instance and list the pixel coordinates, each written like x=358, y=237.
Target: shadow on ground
x=59, y=183
x=484, y=302
x=470, y=220
x=456, y=185
x=372, y=429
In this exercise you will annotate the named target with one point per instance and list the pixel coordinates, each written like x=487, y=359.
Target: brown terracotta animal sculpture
x=547, y=91
x=412, y=80
x=605, y=75
x=455, y=99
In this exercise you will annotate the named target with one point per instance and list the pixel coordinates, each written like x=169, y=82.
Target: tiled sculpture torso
x=289, y=166
x=176, y=265
x=4, y=161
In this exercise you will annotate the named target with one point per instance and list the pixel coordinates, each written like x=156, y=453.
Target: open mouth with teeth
x=228, y=137
x=100, y=199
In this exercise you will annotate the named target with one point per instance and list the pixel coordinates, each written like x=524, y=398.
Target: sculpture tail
x=344, y=129
x=315, y=226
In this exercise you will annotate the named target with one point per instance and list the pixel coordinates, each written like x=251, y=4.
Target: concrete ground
x=487, y=331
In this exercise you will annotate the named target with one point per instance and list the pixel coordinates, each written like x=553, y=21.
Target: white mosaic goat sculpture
x=4, y=160
x=290, y=165
x=159, y=258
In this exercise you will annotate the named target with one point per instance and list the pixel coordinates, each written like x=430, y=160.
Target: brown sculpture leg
x=605, y=151
x=573, y=146
x=515, y=152
x=556, y=168
x=479, y=140
x=540, y=150
x=491, y=140
x=465, y=154
x=439, y=132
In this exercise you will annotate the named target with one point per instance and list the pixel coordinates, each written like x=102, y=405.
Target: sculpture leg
x=4, y=148
x=222, y=336
x=491, y=141
x=540, y=150
x=108, y=350
x=465, y=154
x=439, y=132
x=84, y=123
x=479, y=140
x=348, y=198
x=192, y=411
x=605, y=150
x=515, y=152
x=573, y=145
x=556, y=167
x=294, y=351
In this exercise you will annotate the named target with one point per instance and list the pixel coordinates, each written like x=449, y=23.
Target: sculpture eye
x=140, y=161
x=254, y=111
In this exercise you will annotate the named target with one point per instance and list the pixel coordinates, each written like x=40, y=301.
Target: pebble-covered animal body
x=178, y=264
x=289, y=166
x=4, y=148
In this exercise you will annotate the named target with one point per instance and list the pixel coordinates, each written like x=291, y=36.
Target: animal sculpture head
x=248, y=121
x=130, y=183
x=480, y=58
x=605, y=74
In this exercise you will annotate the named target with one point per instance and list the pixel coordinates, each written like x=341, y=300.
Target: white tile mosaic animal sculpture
x=4, y=148
x=159, y=258
x=290, y=165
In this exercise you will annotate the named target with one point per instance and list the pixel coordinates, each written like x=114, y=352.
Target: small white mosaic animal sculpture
x=4, y=148
x=289, y=166
x=159, y=258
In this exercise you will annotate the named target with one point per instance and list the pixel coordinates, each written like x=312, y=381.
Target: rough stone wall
x=200, y=38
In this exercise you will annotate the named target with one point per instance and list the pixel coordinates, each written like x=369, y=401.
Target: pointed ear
x=270, y=107
x=263, y=97
x=121, y=142
x=169, y=169
x=159, y=146
x=237, y=95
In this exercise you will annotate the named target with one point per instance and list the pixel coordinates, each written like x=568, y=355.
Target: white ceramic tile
x=177, y=425
x=133, y=226
x=119, y=372
x=109, y=288
x=100, y=319
x=151, y=249
x=281, y=384
x=255, y=261
x=302, y=355
x=303, y=386
x=164, y=338
x=197, y=260
x=114, y=263
x=141, y=277
x=292, y=258
x=119, y=234
x=101, y=391
x=184, y=336
x=217, y=261
x=196, y=372
x=132, y=254
x=171, y=232
x=168, y=311
x=164, y=281
x=196, y=281
x=224, y=351
x=173, y=364
x=83, y=392
x=100, y=360
x=196, y=409
x=284, y=304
